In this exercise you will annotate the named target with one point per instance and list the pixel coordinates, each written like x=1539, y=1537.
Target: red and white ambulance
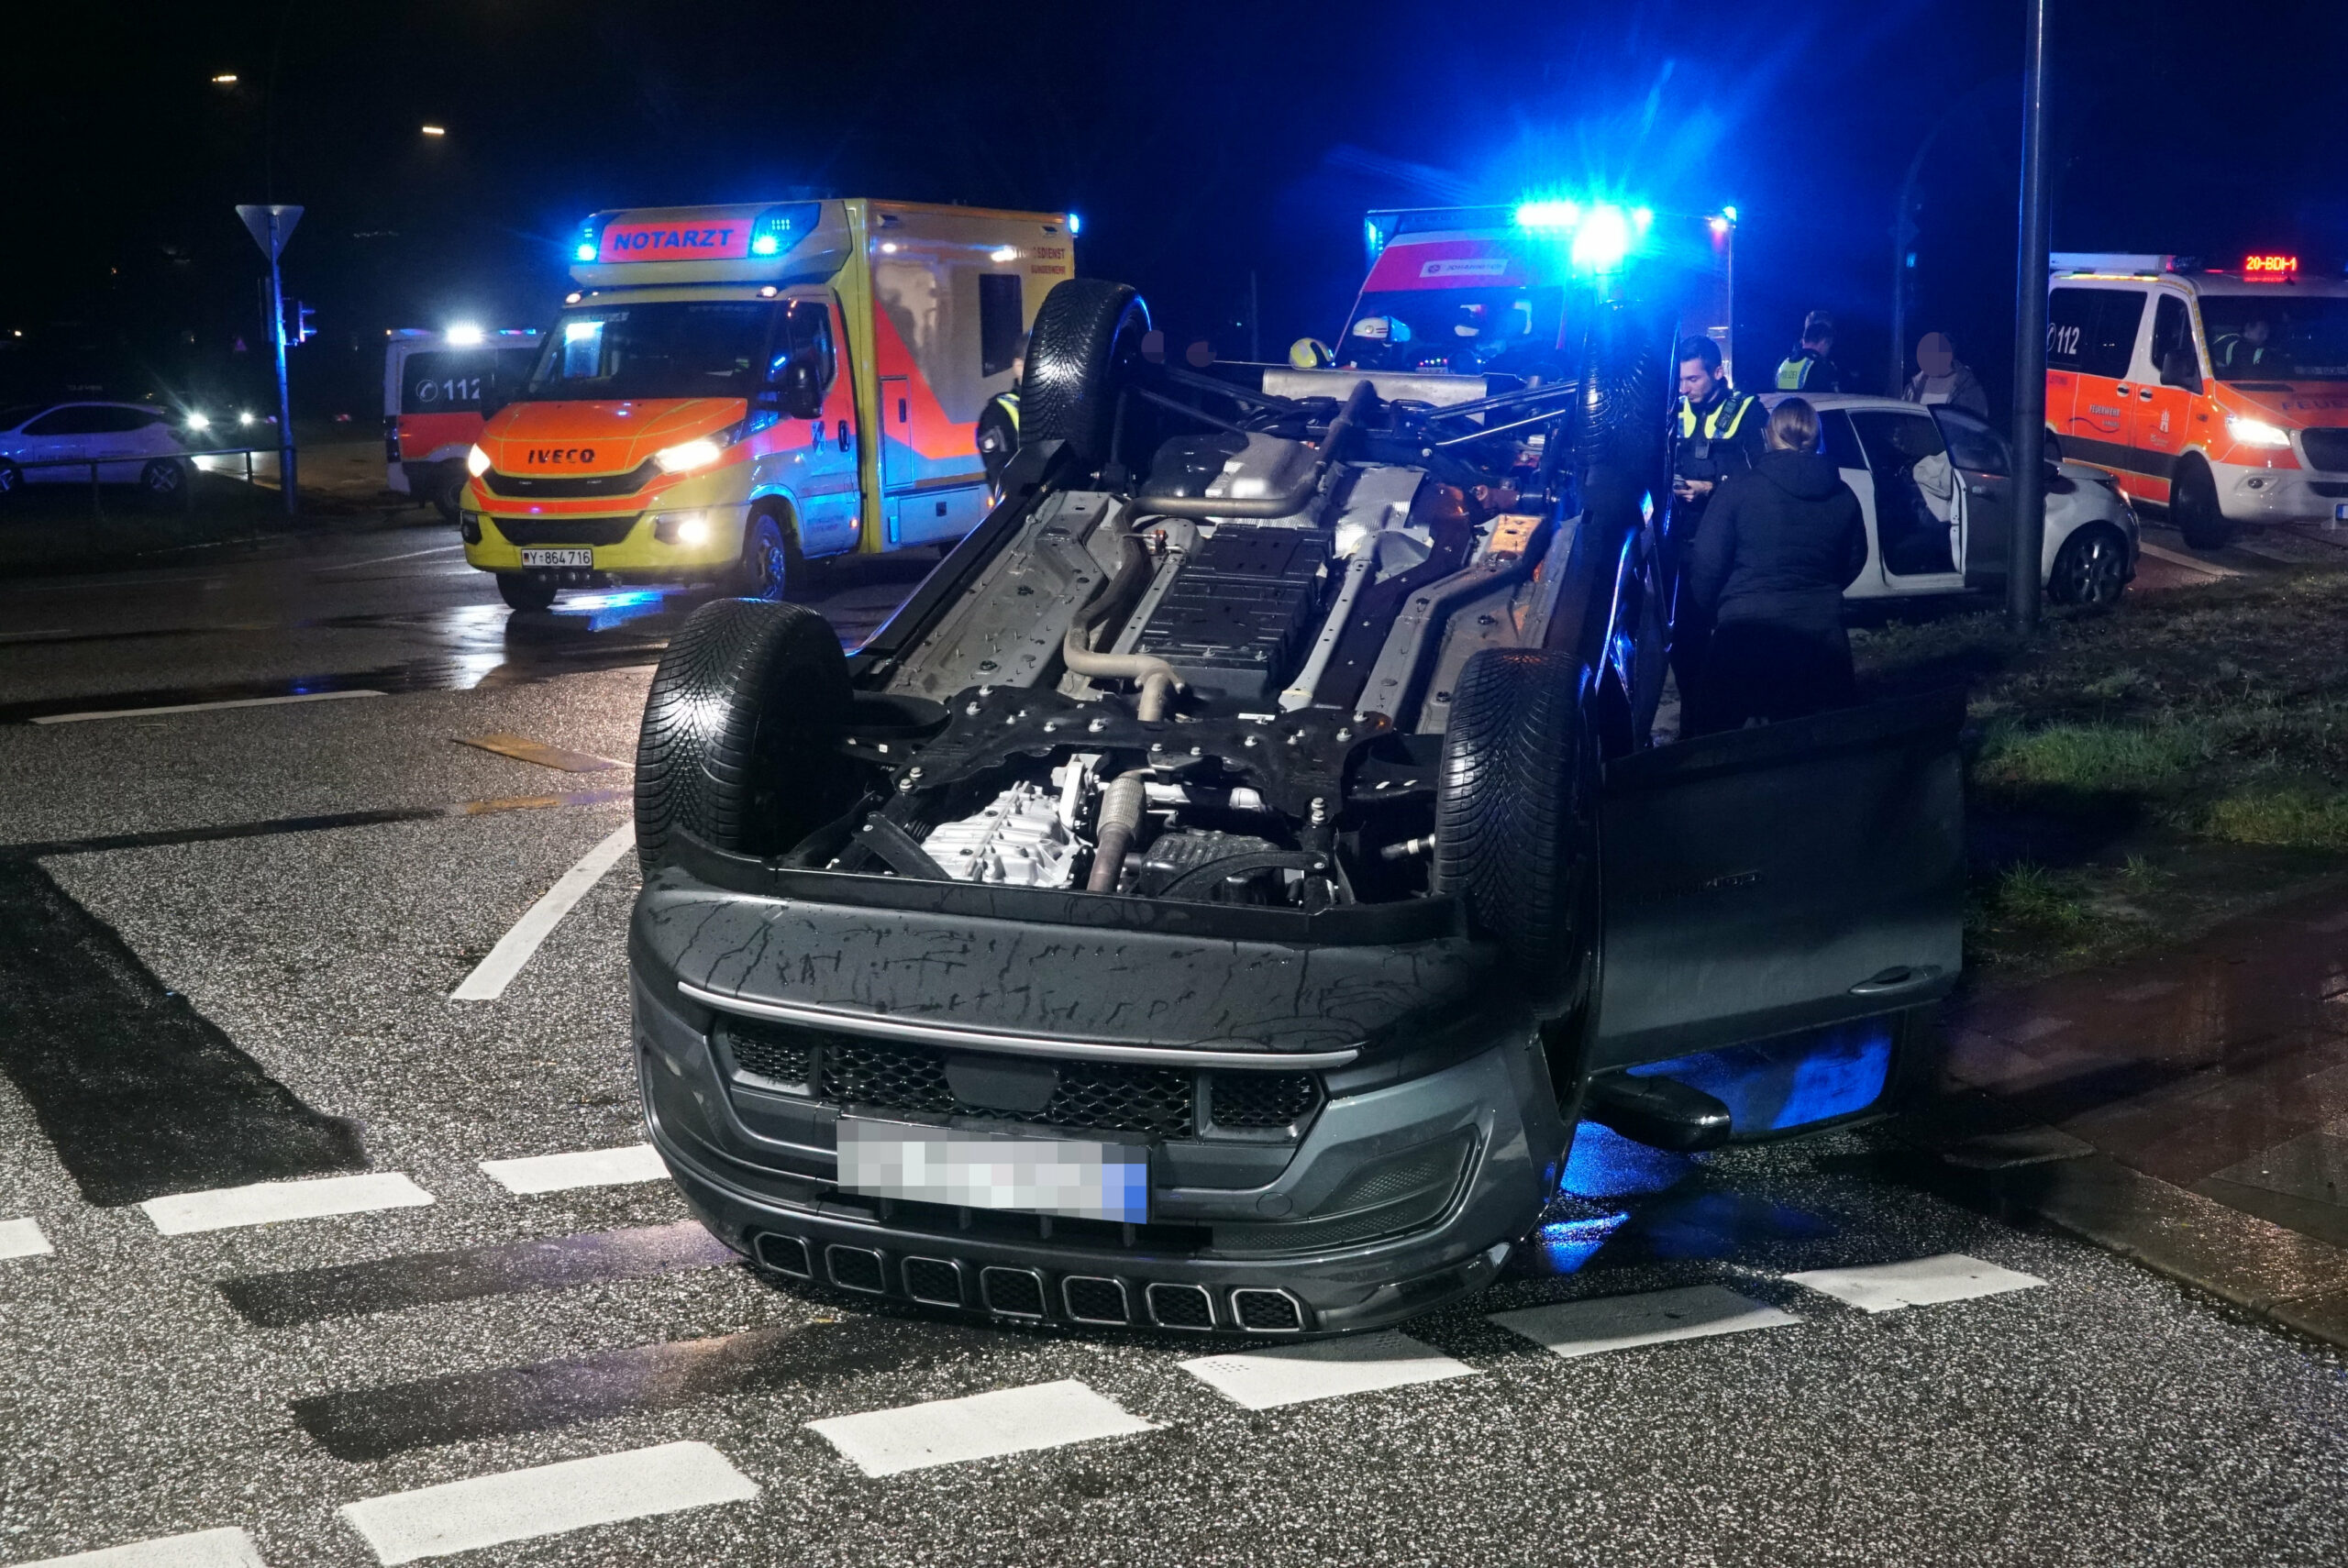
x=438, y=390
x=732, y=391
x=2220, y=393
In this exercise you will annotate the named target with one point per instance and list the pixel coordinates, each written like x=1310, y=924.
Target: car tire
x=446, y=497
x=771, y=566
x=164, y=482
x=1510, y=808
x=734, y=748
x=1081, y=353
x=2090, y=568
x=522, y=592
x=2193, y=507
x=1618, y=446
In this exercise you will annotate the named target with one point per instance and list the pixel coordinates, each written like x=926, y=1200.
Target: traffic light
x=303, y=330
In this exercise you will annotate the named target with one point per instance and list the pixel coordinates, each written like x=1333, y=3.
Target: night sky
x=1200, y=141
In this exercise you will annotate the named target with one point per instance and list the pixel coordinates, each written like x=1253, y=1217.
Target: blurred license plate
x=559, y=557
x=982, y=1170
x=2340, y=512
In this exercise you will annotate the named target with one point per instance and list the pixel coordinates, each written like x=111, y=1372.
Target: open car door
x=1778, y=879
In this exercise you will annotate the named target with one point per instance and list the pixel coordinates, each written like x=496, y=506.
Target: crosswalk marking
x=22, y=1239
x=1598, y=1324
x=549, y=1499
x=1920, y=1282
x=982, y=1425
x=586, y=1167
x=493, y=973
x=1292, y=1375
x=204, y=1549
x=269, y=1202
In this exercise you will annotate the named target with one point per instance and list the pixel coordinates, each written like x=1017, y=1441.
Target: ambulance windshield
x=670, y=348
x=2277, y=337
x=1463, y=331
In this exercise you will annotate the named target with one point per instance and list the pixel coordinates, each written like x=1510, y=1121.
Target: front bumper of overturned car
x=1404, y=1191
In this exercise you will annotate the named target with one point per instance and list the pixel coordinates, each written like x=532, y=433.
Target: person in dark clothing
x=999, y=422
x=1715, y=434
x=1778, y=547
x=1811, y=367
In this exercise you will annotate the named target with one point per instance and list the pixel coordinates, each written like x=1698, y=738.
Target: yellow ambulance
x=733, y=391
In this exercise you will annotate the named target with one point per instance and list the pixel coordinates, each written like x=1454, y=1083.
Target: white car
x=1937, y=487
x=57, y=443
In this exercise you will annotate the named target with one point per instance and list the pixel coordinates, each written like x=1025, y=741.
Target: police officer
x=999, y=422
x=1811, y=368
x=1716, y=433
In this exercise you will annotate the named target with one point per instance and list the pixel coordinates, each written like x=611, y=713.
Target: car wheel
x=2193, y=507
x=771, y=567
x=1083, y=346
x=12, y=478
x=2090, y=568
x=1509, y=810
x=734, y=747
x=525, y=593
x=164, y=482
x=446, y=498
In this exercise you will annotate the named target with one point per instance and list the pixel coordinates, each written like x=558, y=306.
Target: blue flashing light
x=1729, y=213
x=1643, y=218
x=1777, y=1084
x=1601, y=240
x=1604, y=1164
x=1549, y=214
x=777, y=229
x=1075, y=225
x=765, y=245
x=585, y=252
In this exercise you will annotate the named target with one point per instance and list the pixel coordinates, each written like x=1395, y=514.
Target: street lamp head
x=225, y=79
x=436, y=130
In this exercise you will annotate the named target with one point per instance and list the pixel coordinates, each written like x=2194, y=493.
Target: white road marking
x=2146, y=991
x=270, y=1202
x=1921, y=1282
x=549, y=1499
x=2174, y=558
x=40, y=637
x=587, y=1167
x=493, y=973
x=22, y=1239
x=1291, y=1374
x=1603, y=1323
x=2039, y=1028
x=385, y=561
x=205, y=707
x=204, y=1549
x=983, y=1426
x=2251, y=547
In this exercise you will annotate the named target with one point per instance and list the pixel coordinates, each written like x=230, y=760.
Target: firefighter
x=999, y=422
x=1811, y=368
x=1716, y=433
x=2235, y=352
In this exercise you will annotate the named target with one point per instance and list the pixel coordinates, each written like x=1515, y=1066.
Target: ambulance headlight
x=2257, y=433
x=690, y=529
x=476, y=462
x=197, y=422
x=697, y=453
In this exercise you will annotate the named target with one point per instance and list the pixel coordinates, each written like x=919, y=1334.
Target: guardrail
x=138, y=462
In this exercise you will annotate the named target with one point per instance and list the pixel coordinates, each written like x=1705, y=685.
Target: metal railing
x=140, y=461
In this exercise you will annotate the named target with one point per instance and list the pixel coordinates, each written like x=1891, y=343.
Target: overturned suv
x=1214, y=899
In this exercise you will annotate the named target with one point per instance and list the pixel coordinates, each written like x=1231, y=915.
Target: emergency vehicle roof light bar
x=591, y=238
x=2117, y=263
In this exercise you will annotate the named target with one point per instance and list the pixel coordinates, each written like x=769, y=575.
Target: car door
x=59, y=445
x=815, y=461
x=1782, y=877
x=1916, y=501
x=1840, y=444
x=1984, y=467
x=2101, y=422
x=2166, y=378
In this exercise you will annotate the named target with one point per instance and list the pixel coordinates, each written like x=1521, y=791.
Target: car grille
x=2326, y=449
x=1264, y=1099
x=847, y=1070
x=563, y=530
x=570, y=487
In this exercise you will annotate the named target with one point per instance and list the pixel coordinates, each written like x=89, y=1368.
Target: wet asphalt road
x=232, y=965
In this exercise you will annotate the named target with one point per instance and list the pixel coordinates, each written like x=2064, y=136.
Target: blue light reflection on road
x=1793, y=1081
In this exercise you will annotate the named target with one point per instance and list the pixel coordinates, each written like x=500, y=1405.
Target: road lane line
x=982, y=1426
x=22, y=1239
x=2174, y=558
x=522, y=748
x=548, y=1499
x=1921, y=1282
x=204, y=1549
x=202, y=707
x=493, y=973
x=271, y=1202
x=384, y=560
x=586, y=1167
x=1598, y=1324
x=1292, y=1375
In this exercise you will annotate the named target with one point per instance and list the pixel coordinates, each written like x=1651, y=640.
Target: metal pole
x=284, y=395
x=2022, y=588
x=1904, y=234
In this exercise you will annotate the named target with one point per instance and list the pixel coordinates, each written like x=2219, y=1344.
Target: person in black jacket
x=1776, y=549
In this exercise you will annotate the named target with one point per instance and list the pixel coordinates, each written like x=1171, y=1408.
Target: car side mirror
x=803, y=390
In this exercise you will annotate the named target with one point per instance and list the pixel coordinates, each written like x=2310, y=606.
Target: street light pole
x=286, y=482
x=2029, y=543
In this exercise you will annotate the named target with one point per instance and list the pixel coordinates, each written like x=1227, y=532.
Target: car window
x=1896, y=440
x=1836, y=439
x=120, y=421
x=12, y=418
x=1915, y=490
x=1000, y=318
x=2093, y=331
x=1972, y=445
x=73, y=419
x=806, y=335
x=2174, y=359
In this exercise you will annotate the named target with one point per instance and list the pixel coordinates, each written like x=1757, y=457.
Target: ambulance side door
x=819, y=462
x=2167, y=375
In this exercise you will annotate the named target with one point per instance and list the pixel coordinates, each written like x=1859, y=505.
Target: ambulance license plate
x=557, y=557
x=994, y=1170
x=2340, y=512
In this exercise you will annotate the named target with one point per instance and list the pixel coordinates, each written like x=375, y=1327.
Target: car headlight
x=2256, y=432
x=697, y=453
x=690, y=529
x=476, y=462
x=197, y=422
